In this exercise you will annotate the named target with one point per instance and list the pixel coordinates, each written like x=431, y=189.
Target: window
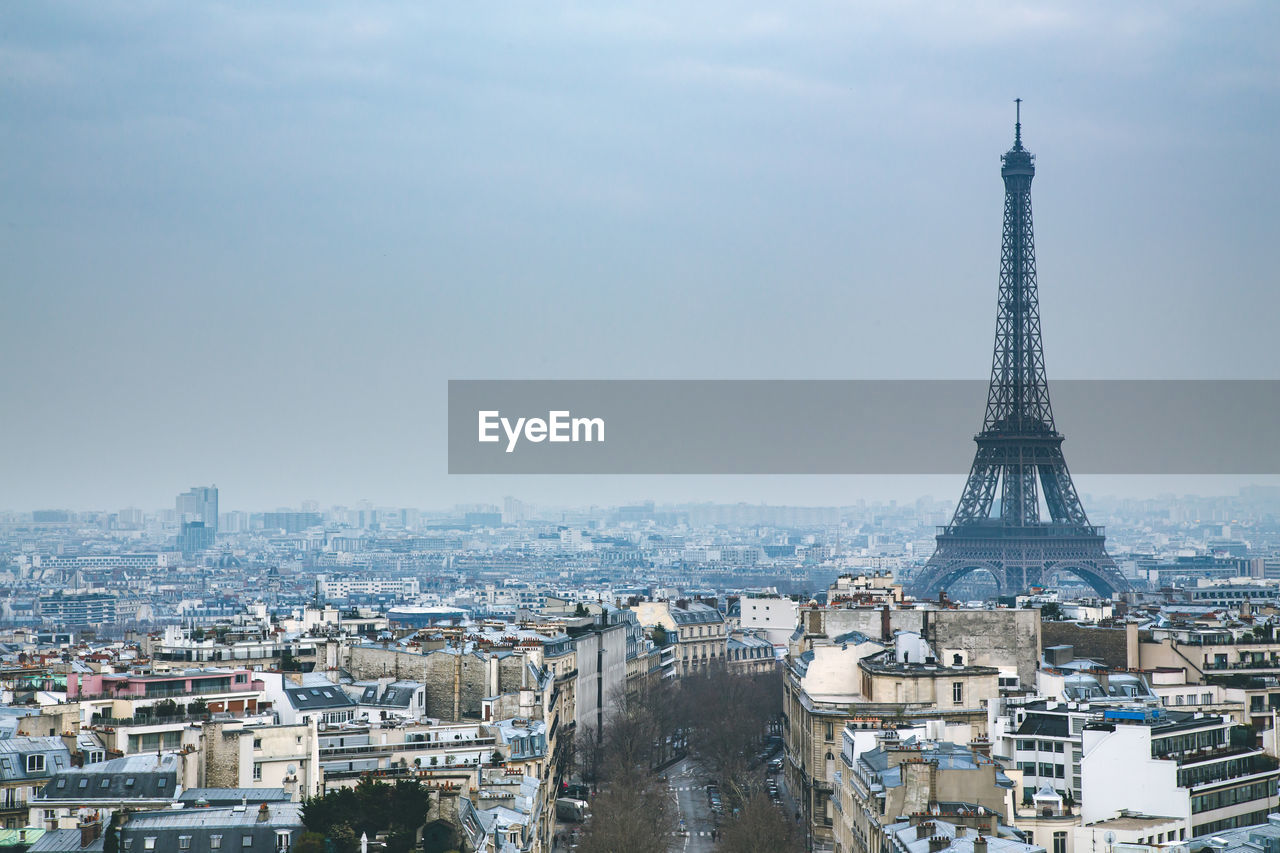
x=257, y=771
x=149, y=843
x=215, y=842
x=246, y=841
x=831, y=732
x=957, y=693
x=282, y=839
x=1059, y=842
x=1206, y=699
x=184, y=842
x=35, y=763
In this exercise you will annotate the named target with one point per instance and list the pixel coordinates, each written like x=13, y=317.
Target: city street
x=688, y=787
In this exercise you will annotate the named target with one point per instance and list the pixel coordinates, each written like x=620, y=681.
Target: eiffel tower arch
x=1019, y=453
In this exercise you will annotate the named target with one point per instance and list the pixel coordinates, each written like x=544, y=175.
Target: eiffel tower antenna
x=1019, y=448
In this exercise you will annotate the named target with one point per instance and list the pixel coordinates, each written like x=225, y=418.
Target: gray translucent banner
x=848, y=426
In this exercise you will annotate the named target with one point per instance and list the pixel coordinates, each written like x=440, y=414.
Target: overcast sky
x=249, y=243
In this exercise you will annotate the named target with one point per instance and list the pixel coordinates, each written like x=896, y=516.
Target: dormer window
x=35, y=763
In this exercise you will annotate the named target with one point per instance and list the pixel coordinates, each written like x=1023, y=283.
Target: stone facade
x=456, y=683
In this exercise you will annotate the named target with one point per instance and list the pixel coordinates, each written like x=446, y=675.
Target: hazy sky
x=249, y=243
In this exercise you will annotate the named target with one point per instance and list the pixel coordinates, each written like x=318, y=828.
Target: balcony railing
x=173, y=692
x=409, y=746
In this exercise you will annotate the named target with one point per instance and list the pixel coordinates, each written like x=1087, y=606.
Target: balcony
x=175, y=692
x=410, y=746
x=101, y=721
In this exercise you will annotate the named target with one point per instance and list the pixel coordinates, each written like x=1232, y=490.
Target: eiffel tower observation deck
x=1019, y=449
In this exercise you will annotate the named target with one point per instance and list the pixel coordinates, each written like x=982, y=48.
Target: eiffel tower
x=1019, y=448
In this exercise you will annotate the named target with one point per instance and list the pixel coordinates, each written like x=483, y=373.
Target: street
x=688, y=788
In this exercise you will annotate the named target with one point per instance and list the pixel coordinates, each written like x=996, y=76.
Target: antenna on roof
x=1017, y=126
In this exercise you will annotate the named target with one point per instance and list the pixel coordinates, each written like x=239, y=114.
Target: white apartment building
x=774, y=615
x=1202, y=770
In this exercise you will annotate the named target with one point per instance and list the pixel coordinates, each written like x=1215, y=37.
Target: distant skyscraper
x=514, y=511
x=196, y=536
x=199, y=503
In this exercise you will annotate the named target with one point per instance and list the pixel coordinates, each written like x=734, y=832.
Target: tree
x=727, y=719
x=111, y=843
x=344, y=839
x=401, y=840
x=370, y=807
x=309, y=842
x=661, y=637
x=760, y=827
x=633, y=816
x=1051, y=610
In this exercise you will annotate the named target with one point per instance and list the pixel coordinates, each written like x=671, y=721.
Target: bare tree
x=632, y=816
x=760, y=827
x=728, y=717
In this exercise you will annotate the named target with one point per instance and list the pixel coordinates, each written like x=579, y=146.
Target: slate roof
x=1247, y=839
x=138, y=777
x=234, y=796
x=949, y=756
x=310, y=698
x=747, y=641
x=281, y=815
x=398, y=694
x=904, y=835
x=1049, y=725
x=695, y=614
x=14, y=752
x=64, y=841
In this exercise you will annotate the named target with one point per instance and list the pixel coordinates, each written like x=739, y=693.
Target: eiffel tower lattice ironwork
x=1019, y=449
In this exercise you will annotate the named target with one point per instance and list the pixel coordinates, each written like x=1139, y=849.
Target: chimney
x=90, y=828
x=264, y=814
x=886, y=631
x=923, y=829
x=980, y=844
x=938, y=843
x=980, y=746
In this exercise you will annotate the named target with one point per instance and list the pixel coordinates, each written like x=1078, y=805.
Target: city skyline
x=886, y=497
